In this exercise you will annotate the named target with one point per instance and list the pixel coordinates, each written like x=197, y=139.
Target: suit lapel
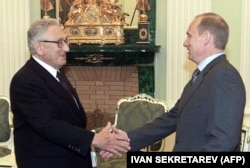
x=190, y=88
x=55, y=86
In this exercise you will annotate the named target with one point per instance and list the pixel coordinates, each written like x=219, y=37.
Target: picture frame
x=55, y=9
x=48, y=8
x=63, y=8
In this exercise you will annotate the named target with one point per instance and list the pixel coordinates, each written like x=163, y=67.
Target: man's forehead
x=55, y=31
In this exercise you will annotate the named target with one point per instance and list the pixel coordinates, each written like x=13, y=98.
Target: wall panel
x=245, y=52
x=14, y=19
x=179, y=69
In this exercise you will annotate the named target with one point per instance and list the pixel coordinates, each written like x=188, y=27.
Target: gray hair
x=37, y=31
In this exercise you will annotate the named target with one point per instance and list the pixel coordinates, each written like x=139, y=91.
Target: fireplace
x=104, y=74
x=103, y=86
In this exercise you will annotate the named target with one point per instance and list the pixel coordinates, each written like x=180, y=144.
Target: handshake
x=111, y=141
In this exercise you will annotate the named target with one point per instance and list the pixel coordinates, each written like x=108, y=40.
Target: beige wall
x=14, y=21
x=34, y=10
x=232, y=13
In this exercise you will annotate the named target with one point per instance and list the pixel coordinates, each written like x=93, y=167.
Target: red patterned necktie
x=64, y=81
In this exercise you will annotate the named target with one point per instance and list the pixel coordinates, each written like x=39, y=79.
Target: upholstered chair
x=245, y=139
x=133, y=112
x=6, y=135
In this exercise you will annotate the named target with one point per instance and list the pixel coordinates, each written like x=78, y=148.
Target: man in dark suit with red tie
x=49, y=122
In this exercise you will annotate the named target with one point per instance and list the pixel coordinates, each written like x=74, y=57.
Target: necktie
x=64, y=81
x=195, y=74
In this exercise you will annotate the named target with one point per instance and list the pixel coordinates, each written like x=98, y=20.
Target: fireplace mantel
x=115, y=48
x=111, y=55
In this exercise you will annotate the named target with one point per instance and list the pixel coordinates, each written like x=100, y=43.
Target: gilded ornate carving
x=95, y=22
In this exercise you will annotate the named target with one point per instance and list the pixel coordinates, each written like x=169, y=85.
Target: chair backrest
x=6, y=135
x=4, y=119
x=245, y=139
x=133, y=112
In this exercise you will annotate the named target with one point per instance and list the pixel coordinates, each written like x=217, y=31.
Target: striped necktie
x=195, y=74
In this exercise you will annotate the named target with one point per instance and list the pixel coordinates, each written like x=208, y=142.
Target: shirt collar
x=46, y=66
x=209, y=59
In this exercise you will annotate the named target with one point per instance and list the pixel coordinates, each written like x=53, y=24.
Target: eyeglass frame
x=60, y=43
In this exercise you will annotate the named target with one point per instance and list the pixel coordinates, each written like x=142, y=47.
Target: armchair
x=245, y=139
x=136, y=111
x=133, y=112
x=7, y=158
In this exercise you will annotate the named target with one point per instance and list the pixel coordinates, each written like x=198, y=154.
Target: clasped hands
x=111, y=141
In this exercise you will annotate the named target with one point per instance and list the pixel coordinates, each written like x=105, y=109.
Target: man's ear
x=38, y=47
x=207, y=37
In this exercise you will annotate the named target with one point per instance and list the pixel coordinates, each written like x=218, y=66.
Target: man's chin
x=64, y=61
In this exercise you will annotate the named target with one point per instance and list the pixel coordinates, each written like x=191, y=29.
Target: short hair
x=38, y=30
x=217, y=26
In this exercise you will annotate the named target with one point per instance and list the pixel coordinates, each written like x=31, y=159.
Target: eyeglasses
x=60, y=43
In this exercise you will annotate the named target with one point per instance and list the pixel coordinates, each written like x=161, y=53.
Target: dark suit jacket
x=207, y=117
x=49, y=128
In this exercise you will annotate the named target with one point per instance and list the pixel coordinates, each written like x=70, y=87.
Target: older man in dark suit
x=49, y=120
